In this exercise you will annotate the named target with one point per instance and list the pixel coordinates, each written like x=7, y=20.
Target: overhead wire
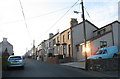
x=45, y=14
x=59, y=19
x=34, y=17
x=23, y=14
x=88, y=14
x=25, y=20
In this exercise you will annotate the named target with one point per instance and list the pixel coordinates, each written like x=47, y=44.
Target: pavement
x=81, y=65
x=75, y=64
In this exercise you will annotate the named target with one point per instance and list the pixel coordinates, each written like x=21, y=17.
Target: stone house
x=5, y=44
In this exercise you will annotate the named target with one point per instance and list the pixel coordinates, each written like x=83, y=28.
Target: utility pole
x=84, y=34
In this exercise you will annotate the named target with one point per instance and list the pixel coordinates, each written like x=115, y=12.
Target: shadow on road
x=15, y=68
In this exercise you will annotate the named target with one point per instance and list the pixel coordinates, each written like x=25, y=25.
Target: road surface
x=37, y=68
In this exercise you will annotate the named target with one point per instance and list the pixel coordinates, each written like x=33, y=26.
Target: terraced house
x=77, y=35
x=105, y=36
x=66, y=43
x=70, y=42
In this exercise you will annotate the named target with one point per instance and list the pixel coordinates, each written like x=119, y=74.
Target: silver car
x=15, y=61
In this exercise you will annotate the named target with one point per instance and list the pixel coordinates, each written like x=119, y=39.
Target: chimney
x=4, y=39
x=50, y=35
x=73, y=22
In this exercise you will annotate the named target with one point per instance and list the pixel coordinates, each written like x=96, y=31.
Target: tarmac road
x=37, y=68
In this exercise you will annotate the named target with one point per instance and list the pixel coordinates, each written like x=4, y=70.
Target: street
x=37, y=68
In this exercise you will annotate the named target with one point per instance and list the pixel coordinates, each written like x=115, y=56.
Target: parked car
x=15, y=61
x=106, y=52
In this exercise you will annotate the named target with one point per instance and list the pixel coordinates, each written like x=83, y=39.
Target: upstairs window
x=54, y=42
x=58, y=40
x=68, y=35
x=98, y=33
x=103, y=44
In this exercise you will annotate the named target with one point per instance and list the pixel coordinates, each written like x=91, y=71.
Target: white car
x=15, y=61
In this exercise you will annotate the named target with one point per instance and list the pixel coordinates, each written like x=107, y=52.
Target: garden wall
x=103, y=64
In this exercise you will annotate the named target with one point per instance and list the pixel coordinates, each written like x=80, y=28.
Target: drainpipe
x=71, y=42
x=112, y=35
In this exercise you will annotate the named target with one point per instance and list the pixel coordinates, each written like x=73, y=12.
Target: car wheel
x=115, y=56
x=100, y=58
x=22, y=67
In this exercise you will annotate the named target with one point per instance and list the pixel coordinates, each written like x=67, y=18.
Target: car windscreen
x=15, y=58
x=101, y=52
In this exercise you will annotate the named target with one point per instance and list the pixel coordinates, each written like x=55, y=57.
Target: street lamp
x=84, y=29
x=76, y=12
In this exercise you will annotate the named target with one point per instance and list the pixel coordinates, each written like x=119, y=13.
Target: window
x=58, y=40
x=64, y=49
x=98, y=33
x=77, y=48
x=58, y=49
x=68, y=35
x=101, y=52
x=104, y=30
x=105, y=51
x=54, y=42
x=103, y=44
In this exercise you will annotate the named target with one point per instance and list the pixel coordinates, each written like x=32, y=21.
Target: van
x=106, y=52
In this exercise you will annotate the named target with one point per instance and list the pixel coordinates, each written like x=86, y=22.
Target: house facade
x=5, y=44
x=52, y=44
x=41, y=50
x=70, y=42
x=65, y=43
x=103, y=37
x=77, y=32
x=56, y=44
x=106, y=36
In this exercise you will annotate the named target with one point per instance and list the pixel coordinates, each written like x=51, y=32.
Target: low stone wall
x=67, y=59
x=103, y=64
x=53, y=60
x=56, y=60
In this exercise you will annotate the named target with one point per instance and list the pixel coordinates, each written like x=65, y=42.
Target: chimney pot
x=4, y=39
x=73, y=22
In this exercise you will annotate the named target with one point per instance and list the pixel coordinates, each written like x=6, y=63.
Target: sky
x=47, y=16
